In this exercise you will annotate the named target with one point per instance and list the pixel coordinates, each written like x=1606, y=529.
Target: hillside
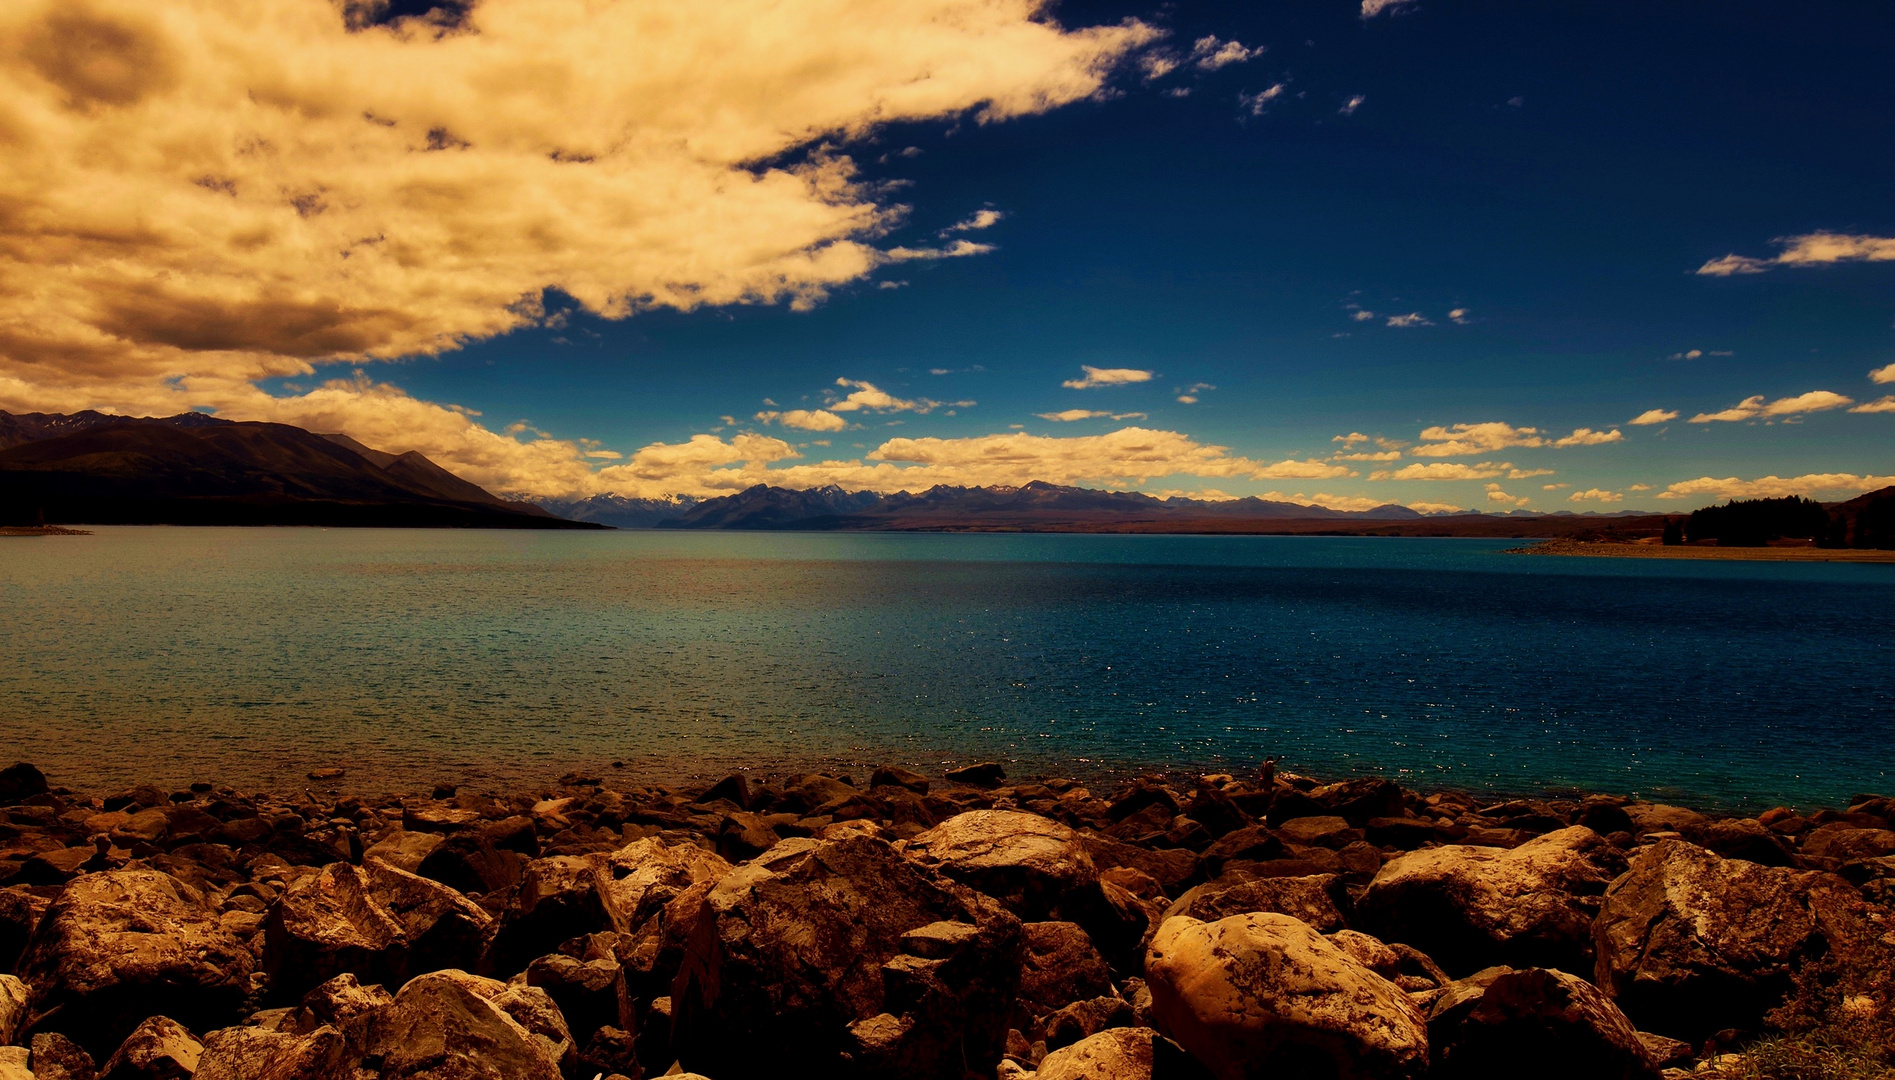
x=89, y=468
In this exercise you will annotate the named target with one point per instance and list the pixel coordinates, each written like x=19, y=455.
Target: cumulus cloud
x=1495, y=495
x=1069, y=415
x=1588, y=437
x=1885, y=403
x=1435, y=507
x=1413, y=318
x=1458, y=316
x=1810, y=249
x=1653, y=416
x=1458, y=439
x=1754, y=407
x=199, y=195
x=1446, y=470
x=1776, y=487
x=1350, y=439
x=1097, y=377
x=806, y=419
x=1883, y=374
x=1350, y=106
x=981, y=219
x=1364, y=455
x=1595, y=495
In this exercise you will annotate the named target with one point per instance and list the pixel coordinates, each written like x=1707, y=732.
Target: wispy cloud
x=1885, y=403
x=1595, y=495
x=1372, y=8
x=1754, y=408
x=1364, y=455
x=1069, y=415
x=1188, y=395
x=1775, y=487
x=1259, y=102
x=1350, y=106
x=1810, y=249
x=981, y=219
x=1588, y=437
x=1653, y=416
x=1446, y=470
x=1350, y=439
x=1210, y=54
x=1095, y=377
x=804, y=419
x=1413, y=318
x=1459, y=439
x=1458, y=316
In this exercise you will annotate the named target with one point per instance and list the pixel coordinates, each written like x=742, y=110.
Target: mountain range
x=191, y=469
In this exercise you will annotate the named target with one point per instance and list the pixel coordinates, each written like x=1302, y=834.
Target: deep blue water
x=253, y=655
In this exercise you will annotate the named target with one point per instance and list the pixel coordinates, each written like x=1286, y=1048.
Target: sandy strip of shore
x=1610, y=550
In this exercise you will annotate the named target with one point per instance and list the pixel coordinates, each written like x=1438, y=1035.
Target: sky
x=1448, y=254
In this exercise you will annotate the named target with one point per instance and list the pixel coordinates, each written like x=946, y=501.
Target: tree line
x=1757, y=522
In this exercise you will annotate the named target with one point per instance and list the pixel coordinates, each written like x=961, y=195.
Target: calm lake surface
x=253, y=655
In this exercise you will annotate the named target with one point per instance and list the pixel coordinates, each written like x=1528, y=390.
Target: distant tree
x=1875, y=524
x=1837, y=535
x=1755, y=522
x=1674, y=532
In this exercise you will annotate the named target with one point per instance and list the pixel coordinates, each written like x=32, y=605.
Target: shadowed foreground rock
x=952, y=929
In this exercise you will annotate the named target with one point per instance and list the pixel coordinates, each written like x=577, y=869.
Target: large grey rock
x=377, y=921
x=1317, y=899
x=1690, y=943
x=158, y=1049
x=1035, y=866
x=448, y=1025
x=1473, y=907
x=1263, y=995
x=844, y=959
x=1548, y=1023
x=119, y=946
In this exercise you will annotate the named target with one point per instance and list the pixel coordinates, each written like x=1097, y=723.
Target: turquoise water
x=254, y=655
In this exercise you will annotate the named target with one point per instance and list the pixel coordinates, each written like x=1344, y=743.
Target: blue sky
x=1320, y=223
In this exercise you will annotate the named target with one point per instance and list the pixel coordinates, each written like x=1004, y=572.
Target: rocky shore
x=896, y=925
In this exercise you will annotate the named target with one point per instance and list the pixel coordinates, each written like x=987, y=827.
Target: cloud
x=1350, y=106
x=1588, y=437
x=1752, y=408
x=1458, y=316
x=1436, y=507
x=1694, y=354
x=1639, y=487
x=1097, y=377
x=1495, y=495
x=1381, y=455
x=1883, y=374
x=982, y=219
x=1372, y=8
x=805, y=419
x=1653, y=416
x=1885, y=403
x=1528, y=474
x=1353, y=503
x=1363, y=315
x=1069, y=415
x=1444, y=470
x=1475, y=439
x=1554, y=487
x=1595, y=495
x=1259, y=102
x=1775, y=487
x=1413, y=318
x=198, y=195
x=1350, y=439
x=1810, y=249
x=1188, y=395
x=1209, y=54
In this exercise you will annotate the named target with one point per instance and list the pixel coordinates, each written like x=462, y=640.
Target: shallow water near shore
x=250, y=656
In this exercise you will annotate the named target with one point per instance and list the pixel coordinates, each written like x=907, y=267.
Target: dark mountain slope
x=203, y=471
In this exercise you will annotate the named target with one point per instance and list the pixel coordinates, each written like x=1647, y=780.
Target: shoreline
x=581, y=928
x=1614, y=550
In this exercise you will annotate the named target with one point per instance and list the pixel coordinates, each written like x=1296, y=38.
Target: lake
x=251, y=656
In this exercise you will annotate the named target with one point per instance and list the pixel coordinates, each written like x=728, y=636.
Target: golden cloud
x=197, y=195
x=1775, y=487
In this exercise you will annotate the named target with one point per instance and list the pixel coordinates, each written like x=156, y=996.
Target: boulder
x=896, y=776
x=382, y=923
x=805, y=955
x=1745, y=838
x=13, y=1063
x=448, y=1025
x=470, y=862
x=1262, y=994
x=19, y=914
x=1252, y=843
x=1555, y=1025
x=119, y=946
x=1474, y=907
x=561, y=897
x=1061, y=967
x=15, y=1001
x=1690, y=943
x=19, y=782
x=55, y=1057
x=343, y=1004
x=1035, y=866
x=1847, y=843
x=984, y=774
x=249, y=1053
x=1121, y=1053
x=1083, y=1019
x=406, y=850
x=1318, y=900
x=590, y=994
x=158, y=1049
